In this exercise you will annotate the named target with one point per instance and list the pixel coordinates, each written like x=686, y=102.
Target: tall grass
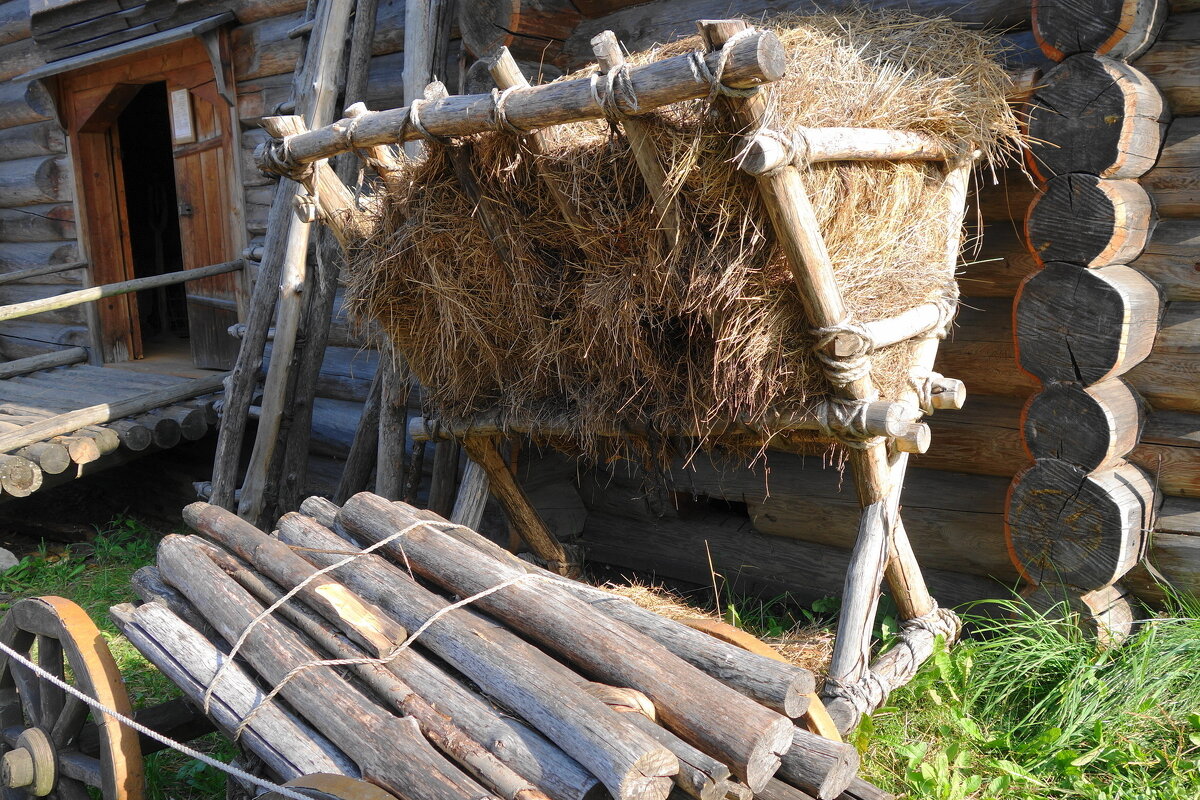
x=1029, y=708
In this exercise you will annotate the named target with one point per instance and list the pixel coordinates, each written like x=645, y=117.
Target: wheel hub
x=31, y=764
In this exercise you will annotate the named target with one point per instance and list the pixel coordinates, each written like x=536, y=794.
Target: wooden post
x=795, y=225
x=357, y=469
x=393, y=424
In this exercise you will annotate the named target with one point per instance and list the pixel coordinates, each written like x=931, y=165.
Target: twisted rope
x=846, y=421
x=618, y=88
x=414, y=119
x=500, y=116
x=920, y=380
x=795, y=146
x=277, y=157
x=703, y=74
x=844, y=370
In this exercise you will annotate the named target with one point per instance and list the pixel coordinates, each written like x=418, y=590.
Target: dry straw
x=605, y=322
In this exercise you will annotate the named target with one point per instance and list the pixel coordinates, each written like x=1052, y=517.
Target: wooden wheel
x=333, y=787
x=41, y=725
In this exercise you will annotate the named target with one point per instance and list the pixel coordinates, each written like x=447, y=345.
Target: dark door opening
x=152, y=211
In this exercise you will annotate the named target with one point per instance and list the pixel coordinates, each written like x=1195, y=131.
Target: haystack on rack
x=880, y=433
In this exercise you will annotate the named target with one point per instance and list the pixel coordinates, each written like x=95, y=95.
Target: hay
x=606, y=324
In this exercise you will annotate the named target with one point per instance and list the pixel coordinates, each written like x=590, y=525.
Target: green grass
x=96, y=576
x=1027, y=708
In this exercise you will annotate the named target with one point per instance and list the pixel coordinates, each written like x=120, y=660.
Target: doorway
x=151, y=209
x=154, y=154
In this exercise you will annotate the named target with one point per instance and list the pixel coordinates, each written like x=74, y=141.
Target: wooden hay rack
x=880, y=432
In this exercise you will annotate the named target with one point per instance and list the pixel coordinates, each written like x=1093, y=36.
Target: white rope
x=844, y=370
x=500, y=115
x=846, y=421
x=95, y=704
x=393, y=654
x=920, y=380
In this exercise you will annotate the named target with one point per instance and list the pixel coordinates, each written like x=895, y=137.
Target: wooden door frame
x=94, y=149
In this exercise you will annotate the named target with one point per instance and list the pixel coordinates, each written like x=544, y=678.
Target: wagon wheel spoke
x=70, y=721
x=71, y=789
x=50, y=658
x=28, y=692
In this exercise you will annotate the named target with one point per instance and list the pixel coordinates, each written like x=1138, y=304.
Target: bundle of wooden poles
x=381, y=641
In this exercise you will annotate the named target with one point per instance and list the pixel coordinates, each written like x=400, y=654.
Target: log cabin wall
x=37, y=220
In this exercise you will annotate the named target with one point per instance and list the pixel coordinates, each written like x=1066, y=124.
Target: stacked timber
x=60, y=420
x=483, y=697
x=1077, y=519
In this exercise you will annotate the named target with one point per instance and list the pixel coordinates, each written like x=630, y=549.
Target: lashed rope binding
x=843, y=370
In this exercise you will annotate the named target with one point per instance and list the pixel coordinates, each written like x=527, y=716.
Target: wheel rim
x=66, y=638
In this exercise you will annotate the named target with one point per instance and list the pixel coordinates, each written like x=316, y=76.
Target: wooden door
x=210, y=227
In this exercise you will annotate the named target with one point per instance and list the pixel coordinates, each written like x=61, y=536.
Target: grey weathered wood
x=22, y=103
x=26, y=141
x=41, y=271
x=700, y=709
x=393, y=423
x=753, y=61
x=778, y=790
x=861, y=790
x=192, y=424
x=286, y=744
x=51, y=458
x=471, y=756
x=1173, y=180
x=819, y=765
x=1092, y=427
x=19, y=476
x=71, y=355
x=362, y=456
x=29, y=181
x=355, y=721
x=1171, y=62
x=1105, y=614
x=700, y=776
x=1098, y=115
x=134, y=435
x=1084, y=325
x=515, y=673
x=1089, y=221
x=147, y=582
x=1065, y=525
x=106, y=412
x=444, y=480
x=68, y=299
x=472, y=496
x=1115, y=28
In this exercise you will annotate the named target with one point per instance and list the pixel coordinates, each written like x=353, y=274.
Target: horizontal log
x=333, y=425
x=24, y=104
x=33, y=274
x=750, y=740
x=750, y=62
x=1171, y=257
x=1085, y=220
x=20, y=256
x=29, y=181
x=1174, y=182
x=35, y=139
x=19, y=294
x=1086, y=530
x=888, y=418
x=1174, y=556
x=515, y=673
x=1120, y=29
x=263, y=48
x=106, y=412
x=768, y=151
x=71, y=355
x=1097, y=115
x=531, y=25
x=17, y=58
x=998, y=263
x=1084, y=324
x=285, y=743
x=1003, y=196
x=642, y=25
x=14, y=21
x=1172, y=63
x=112, y=289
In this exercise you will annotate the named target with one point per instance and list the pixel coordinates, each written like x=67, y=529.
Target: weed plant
x=96, y=576
x=1028, y=708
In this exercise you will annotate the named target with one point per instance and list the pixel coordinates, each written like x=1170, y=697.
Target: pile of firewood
x=442, y=667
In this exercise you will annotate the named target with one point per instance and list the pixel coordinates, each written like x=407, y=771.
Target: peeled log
x=1089, y=221
x=29, y=181
x=1106, y=614
x=42, y=223
x=1087, y=530
x=1096, y=115
x=1089, y=427
x=1084, y=325
x=1115, y=28
x=36, y=139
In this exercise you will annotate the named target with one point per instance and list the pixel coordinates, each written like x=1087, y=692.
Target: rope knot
x=500, y=116
x=277, y=157
x=703, y=74
x=855, y=362
x=846, y=421
x=616, y=91
x=414, y=119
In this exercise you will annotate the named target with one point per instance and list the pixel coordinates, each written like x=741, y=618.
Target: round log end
x=948, y=394
x=770, y=56
x=39, y=99
x=135, y=437
x=913, y=437
x=1089, y=221
x=1064, y=525
x=767, y=753
x=1084, y=325
x=1121, y=29
x=651, y=777
x=165, y=431
x=20, y=477
x=1091, y=428
x=761, y=154
x=1105, y=614
x=1096, y=115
